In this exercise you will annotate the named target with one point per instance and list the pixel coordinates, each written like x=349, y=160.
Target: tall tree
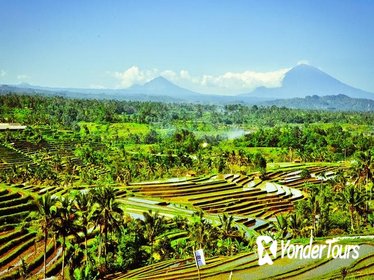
x=46, y=209
x=153, y=225
x=83, y=206
x=64, y=223
x=363, y=169
x=107, y=214
x=353, y=199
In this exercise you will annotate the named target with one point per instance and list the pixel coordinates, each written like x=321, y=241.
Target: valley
x=129, y=189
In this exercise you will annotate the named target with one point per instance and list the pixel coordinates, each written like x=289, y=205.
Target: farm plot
x=252, y=203
x=295, y=179
x=245, y=266
x=21, y=249
x=28, y=147
x=18, y=152
x=11, y=157
x=250, y=200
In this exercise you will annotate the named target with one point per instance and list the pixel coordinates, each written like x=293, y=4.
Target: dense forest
x=126, y=141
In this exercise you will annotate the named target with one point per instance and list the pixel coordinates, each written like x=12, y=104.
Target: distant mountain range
x=302, y=87
x=338, y=102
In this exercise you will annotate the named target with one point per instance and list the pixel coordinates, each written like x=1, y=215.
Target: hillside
x=330, y=102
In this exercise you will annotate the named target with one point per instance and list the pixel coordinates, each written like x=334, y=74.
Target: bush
x=336, y=232
x=339, y=220
x=305, y=174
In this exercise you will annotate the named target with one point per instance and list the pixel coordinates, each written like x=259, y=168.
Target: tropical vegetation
x=124, y=189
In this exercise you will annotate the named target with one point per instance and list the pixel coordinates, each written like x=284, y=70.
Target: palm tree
x=200, y=230
x=83, y=207
x=154, y=225
x=281, y=225
x=296, y=225
x=228, y=229
x=64, y=223
x=107, y=213
x=363, y=170
x=46, y=209
x=353, y=199
x=315, y=191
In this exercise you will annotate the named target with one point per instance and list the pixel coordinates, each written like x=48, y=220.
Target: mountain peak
x=162, y=86
x=307, y=76
x=303, y=69
x=160, y=80
x=304, y=79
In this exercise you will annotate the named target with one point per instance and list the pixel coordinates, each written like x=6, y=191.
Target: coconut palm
x=153, y=225
x=363, y=170
x=281, y=225
x=83, y=207
x=201, y=231
x=107, y=213
x=64, y=223
x=46, y=209
x=227, y=228
x=313, y=201
x=353, y=199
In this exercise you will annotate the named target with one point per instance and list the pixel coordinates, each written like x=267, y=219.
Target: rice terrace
x=128, y=189
x=188, y=140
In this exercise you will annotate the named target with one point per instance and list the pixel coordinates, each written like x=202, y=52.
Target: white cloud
x=303, y=61
x=246, y=80
x=184, y=74
x=170, y=75
x=134, y=75
x=2, y=73
x=228, y=83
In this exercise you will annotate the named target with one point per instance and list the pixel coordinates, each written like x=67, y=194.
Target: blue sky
x=209, y=46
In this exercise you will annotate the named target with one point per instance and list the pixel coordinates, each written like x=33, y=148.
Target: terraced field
x=11, y=157
x=20, y=153
x=19, y=245
x=251, y=201
x=245, y=266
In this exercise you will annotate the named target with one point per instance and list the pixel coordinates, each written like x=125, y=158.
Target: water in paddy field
x=235, y=133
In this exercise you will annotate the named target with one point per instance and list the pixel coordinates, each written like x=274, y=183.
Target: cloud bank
x=226, y=83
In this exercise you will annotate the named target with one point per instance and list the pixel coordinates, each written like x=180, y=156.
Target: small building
x=11, y=126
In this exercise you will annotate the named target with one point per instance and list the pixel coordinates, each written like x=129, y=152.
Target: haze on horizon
x=206, y=46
